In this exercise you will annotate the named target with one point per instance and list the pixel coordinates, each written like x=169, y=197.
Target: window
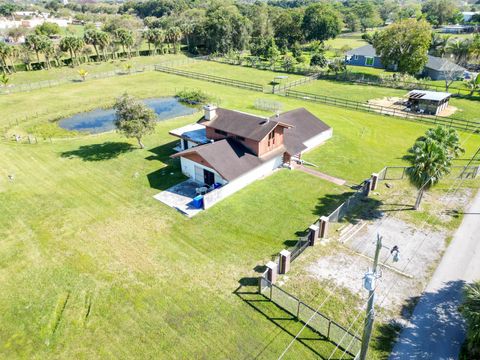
x=355, y=57
x=369, y=61
x=220, y=132
x=271, y=138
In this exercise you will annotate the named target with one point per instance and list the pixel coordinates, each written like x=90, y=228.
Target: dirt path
x=320, y=175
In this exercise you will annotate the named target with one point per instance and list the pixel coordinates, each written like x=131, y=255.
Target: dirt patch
x=419, y=252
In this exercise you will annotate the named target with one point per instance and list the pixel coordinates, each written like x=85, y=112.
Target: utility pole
x=370, y=284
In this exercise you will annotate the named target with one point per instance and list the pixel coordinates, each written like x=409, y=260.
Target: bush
x=193, y=97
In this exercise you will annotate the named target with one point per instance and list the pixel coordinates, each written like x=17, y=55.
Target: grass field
x=93, y=267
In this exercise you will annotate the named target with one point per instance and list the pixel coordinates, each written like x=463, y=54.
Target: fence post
x=313, y=233
x=284, y=265
x=328, y=330
x=323, y=227
x=298, y=310
x=272, y=272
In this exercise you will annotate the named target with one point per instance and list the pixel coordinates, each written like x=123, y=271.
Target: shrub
x=193, y=97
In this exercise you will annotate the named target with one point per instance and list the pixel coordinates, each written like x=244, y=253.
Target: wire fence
x=12, y=89
x=284, y=87
x=210, y=78
x=317, y=321
x=457, y=123
x=457, y=172
x=352, y=201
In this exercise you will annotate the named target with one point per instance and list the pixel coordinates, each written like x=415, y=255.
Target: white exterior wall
x=318, y=139
x=188, y=169
x=233, y=186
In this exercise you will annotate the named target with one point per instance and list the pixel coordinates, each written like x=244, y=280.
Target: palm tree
x=159, y=40
x=4, y=79
x=83, y=74
x=73, y=45
x=460, y=49
x=174, y=35
x=439, y=44
x=474, y=84
x=150, y=36
x=48, y=49
x=470, y=310
x=431, y=158
x=5, y=53
x=35, y=42
x=125, y=38
x=92, y=37
x=104, y=39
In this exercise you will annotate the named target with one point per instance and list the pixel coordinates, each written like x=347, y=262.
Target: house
x=364, y=56
x=457, y=29
x=226, y=150
x=436, y=68
x=428, y=102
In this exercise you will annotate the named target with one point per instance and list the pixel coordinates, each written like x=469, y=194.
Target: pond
x=101, y=120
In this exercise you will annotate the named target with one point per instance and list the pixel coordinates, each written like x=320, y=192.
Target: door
x=208, y=177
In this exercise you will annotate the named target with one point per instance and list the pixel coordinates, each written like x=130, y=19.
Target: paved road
x=436, y=330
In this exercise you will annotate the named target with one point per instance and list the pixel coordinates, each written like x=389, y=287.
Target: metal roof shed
x=428, y=102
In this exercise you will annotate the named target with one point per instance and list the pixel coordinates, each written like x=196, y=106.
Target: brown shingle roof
x=304, y=126
x=229, y=158
x=241, y=124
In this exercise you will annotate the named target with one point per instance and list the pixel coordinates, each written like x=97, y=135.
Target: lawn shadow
x=315, y=342
x=99, y=152
x=435, y=318
x=169, y=172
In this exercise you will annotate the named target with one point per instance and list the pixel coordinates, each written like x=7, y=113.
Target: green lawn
x=467, y=108
x=65, y=72
x=263, y=77
x=93, y=267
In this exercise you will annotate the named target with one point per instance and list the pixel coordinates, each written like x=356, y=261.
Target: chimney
x=210, y=112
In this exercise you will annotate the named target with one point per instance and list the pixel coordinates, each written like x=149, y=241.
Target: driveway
x=436, y=329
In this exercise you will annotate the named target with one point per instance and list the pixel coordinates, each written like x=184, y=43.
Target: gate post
x=313, y=233
x=323, y=227
x=367, y=187
x=271, y=272
x=284, y=265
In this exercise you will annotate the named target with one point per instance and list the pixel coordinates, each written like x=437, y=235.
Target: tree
x=125, y=39
x=450, y=74
x=318, y=59
x=272, y=53
x=439, y=12
x=337, y=66
x=133, y=118
x=225, y=29
x=351, y=20
x=438, y=46
x=431, y=159
x=288, y=63
x=150, y=36
x=4, y=80
x=174, y=36
x=34, y=43
x=404, y=45
x=47, y=29
x=287, y=27
x=83, y=74
x=470, y=310
x=96, y=38
x=460, y=49
x=368, y=14
x=321, y=22
x=73, y=45
x=474, y=84
x=5, y=54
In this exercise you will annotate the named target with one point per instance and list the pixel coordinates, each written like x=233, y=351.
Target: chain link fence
x=314, y=319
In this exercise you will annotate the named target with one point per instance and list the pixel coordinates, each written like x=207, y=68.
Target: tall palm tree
x=439, y=43
x=35, y=43
x=470, y=310
x=159, y=39
x=125, y=38
x=431, y=158
x=73, y=45
x=174, y=35
x=460, y=49
x=5, y=53
x=150, y=36
x=92, y=37
x=48, y=50
x=104, y=39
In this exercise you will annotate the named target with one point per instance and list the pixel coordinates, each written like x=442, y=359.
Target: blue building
x=436, y=68
x=364, y=56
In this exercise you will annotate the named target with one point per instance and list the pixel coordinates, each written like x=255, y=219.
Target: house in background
x=436, y=68
x=226, y=150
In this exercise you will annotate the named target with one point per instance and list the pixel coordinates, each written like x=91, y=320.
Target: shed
x=428, y=102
